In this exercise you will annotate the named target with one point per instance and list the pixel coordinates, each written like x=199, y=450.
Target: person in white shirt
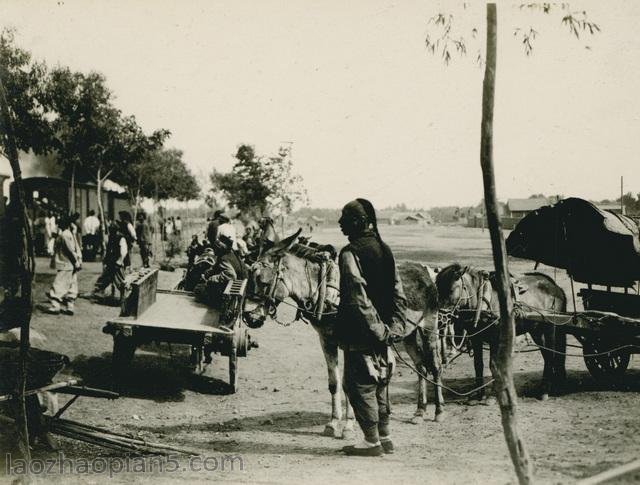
x=50, y=231
x=91, y=224
x=67, y=260
x=178, y=226
x=91, y=236
x=169, y=227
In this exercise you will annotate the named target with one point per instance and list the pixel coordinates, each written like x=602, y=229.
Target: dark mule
x=310, y=277
x=466, y=290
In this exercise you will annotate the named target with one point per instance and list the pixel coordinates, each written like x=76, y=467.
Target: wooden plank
x=143, y=286
x=590, y=321
x=611, y=473
x=177, y=312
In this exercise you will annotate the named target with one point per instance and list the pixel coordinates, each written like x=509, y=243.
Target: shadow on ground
x=294, y=423
x=151, y=376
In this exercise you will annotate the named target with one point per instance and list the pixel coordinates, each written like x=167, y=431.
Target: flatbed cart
x=152, y=315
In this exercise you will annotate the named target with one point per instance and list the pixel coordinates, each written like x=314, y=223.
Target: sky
x=369, y=111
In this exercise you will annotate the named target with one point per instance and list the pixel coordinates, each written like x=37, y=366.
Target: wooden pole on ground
x=501, y=365
x=25, y=267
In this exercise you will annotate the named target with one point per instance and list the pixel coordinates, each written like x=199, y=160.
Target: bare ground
x=275, y=421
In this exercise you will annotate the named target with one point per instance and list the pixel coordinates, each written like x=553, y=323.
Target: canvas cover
x=593, y=245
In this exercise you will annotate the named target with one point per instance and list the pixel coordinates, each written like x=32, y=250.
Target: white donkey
x=310, y=277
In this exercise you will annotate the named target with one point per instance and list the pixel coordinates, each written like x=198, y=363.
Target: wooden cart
x=152, y=315
x=608, y=329
x=597, y=248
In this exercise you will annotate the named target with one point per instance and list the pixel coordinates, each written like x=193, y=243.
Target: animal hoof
x=330, y=431
x=439, y=417
x=348, y=434
x=417, y=419
x=491, y=401
x=544, y=397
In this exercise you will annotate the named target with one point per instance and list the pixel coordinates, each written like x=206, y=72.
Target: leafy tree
x=25, y=86
x=630, y=203
x=286, y=188
x=139, y=152
x=167, y=177
x=257, y=184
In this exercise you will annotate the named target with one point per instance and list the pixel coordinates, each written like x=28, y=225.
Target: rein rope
x=315, y=309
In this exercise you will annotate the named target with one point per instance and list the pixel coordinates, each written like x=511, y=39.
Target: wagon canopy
x=593, y=245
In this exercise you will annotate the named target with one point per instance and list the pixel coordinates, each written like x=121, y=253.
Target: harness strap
x=322, y=293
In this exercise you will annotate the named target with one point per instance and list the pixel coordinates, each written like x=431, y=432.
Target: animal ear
x=460, y=270
x=286, y=243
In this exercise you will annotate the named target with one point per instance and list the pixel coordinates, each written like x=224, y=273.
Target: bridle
x=312, y=308
x=449, y=315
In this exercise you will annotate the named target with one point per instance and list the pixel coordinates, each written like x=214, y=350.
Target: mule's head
x=459, y=287
x=269, y=281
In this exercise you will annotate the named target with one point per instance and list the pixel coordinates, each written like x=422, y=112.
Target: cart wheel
x=233, y=370
x=123, y=350
x=605, y=367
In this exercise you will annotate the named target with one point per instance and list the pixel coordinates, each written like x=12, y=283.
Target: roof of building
x=527, y=205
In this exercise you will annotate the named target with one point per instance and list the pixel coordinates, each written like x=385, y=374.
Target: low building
x=615, y=208
x=410, y=218
x=518, y=208
x=43, y=191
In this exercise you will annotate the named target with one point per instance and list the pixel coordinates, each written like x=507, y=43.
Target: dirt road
x=275, y=421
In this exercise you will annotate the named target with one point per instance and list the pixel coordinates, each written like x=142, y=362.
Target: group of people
x=171, y=226
x=228, y=263
x=67, y=256
x=371, y=313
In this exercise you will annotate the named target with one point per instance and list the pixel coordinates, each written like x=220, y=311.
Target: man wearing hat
x=228, y=267
x=371, y=315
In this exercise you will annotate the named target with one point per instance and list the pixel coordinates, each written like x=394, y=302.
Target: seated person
x=228, y=267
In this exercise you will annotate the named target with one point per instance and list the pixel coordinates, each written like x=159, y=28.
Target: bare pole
x=501, y=363
x=25, y=267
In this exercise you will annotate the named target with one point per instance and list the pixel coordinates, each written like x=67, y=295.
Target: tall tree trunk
x=26, y=268
x=136, y=204
x=72, y=188
x=501, y=365
x=103, y=224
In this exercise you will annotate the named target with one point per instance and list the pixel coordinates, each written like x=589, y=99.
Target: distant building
x=613, y=207
x=58, y=192
x=314, y=221
x=518, y=208
x=410, y=218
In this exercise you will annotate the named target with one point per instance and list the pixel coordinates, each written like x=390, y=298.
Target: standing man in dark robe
x=115, y=262
x=371, y=315
x=143, y=235
x=212, y=228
